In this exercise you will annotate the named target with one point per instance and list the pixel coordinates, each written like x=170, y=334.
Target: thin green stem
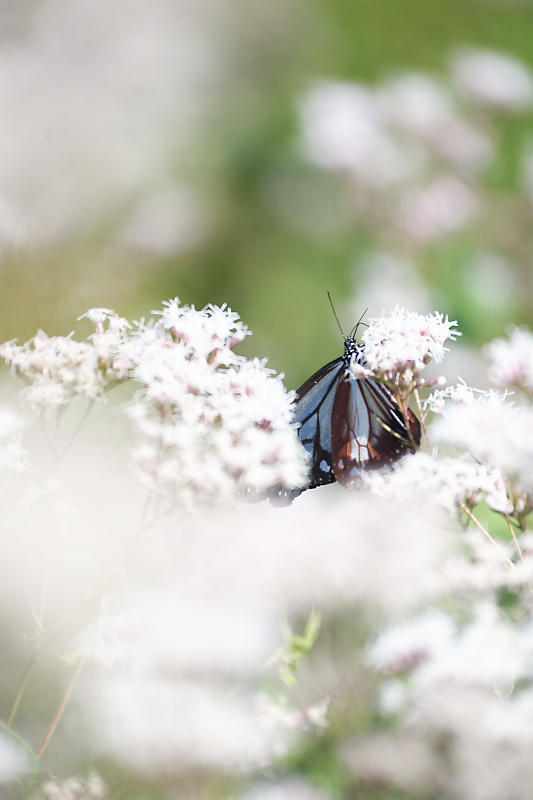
x=422, y=421
x=515, y=540
x=22, y=685
x=61, y=708
x=484, y=531
x=404, y=407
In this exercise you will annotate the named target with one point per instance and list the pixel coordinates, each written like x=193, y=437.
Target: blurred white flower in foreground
x=14, y=761
x=13, y=456
x=290, y=789
x=161, y=725
x=493, y=79
x=511, y=361
x=91, y=787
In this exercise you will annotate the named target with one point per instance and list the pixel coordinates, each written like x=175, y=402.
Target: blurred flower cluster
x=210, y=422
x=416, y=157
x=414, y=147
x=211, y=649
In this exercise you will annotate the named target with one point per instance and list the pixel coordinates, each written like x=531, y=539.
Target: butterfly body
x=349, y=424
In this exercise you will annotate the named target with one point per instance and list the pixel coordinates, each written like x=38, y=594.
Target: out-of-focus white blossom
x=277, y=714
x=159, y=724
x=444, y=482
x=399, y=346
x=13, y=456
x=91, y=787
x=289, y=789
x=211, y=635
x=14, y=761
x=161, y=62
x=493, y=79
x=511, y=361
x=494, y=433
x=342, y=129
x=424, y=107
x=488, y=650
x=304, y=557
x=385, y=279
x=443, y=206
x=407, y=644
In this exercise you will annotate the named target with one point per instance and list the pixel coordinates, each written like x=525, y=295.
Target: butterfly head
x=352, y=348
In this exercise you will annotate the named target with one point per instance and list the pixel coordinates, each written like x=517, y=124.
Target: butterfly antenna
x=335, y=315
x=360, y=322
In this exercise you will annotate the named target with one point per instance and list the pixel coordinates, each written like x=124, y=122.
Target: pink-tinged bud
x=236, y=340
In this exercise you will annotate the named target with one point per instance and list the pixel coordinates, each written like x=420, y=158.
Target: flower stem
x=22, y=685
x=422, y=421
x=61, y=708
x=484, y=531
x=515, y=540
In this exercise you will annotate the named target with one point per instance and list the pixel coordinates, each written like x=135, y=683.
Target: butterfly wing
x=313, y=415
x=348, y=425
x=368, y=430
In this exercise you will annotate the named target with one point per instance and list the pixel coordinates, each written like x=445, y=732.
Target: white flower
x=14, y=761
x=210, y=422
x=511, y=361
x=277, y=714
x=445, y=482
x=495, y=433
x=10, y=423
x=162, y=725
x=444, y=205
x=487, y=651
x=398, y=347
x=91, y=787
x=407, y=644
x=440, y=400
x=288, y=789
x=424, y=107
x=57, y=368
x=342, y=129
x=492, y=78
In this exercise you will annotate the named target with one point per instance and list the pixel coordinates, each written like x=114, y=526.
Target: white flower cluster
x=468, y=684
x=460, y=394
x=399, y=346
x=511, y=361
x=495, y=434
x=493, y=79
x=210, y=422
x=445, y=482
x=91, y=787
x=59, y=368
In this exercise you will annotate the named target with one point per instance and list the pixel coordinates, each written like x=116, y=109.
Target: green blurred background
x=152, y=150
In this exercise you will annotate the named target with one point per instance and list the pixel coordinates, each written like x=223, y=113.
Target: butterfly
x=348, y=424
